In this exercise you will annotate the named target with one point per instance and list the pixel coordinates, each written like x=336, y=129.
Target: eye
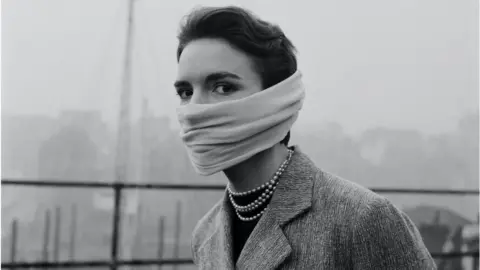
x=184, y=93
x=224, y=88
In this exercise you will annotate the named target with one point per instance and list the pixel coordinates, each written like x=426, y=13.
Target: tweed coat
x=315, y=220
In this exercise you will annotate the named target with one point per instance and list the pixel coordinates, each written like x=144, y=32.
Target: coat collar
x=267, y=247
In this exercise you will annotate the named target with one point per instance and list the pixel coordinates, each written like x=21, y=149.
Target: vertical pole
x=73, y=233
x=161, y=237
x=177, y=233
x=56, y=239
x=116, y=224
x=13, y=247
x=123, y=141
x=46, y=236
x=137, y=241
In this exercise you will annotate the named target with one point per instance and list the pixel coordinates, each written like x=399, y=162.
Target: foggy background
x=392, y=101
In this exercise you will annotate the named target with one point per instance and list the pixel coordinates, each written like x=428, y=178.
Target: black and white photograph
x=249, y=135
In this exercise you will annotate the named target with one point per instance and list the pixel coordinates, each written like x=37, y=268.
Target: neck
x=256, y=170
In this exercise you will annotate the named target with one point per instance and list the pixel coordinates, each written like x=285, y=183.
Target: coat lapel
x=268, y=247
x=217, y=250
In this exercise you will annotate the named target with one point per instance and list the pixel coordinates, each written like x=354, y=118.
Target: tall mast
x=124, y=126
x=124, y=132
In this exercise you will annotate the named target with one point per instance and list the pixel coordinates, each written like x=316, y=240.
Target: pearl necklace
x=268, y=187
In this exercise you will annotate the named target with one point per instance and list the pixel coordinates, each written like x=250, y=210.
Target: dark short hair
x=272, y=53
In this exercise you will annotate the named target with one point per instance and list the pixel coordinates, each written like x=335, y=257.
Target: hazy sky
x=409, y=63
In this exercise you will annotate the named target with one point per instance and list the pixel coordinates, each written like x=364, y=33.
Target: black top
x=241, y=230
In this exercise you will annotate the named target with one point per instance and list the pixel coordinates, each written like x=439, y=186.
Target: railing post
x=57, y=234
x=475, y=262
x=161, y=237
x=46, y=238
x=116, y=234
x=13, y=239
x=73, y=233
x=178, y=217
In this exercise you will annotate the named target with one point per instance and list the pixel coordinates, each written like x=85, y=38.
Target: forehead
x=205, y=56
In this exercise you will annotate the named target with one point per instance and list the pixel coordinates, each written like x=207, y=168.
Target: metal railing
x=114, y=262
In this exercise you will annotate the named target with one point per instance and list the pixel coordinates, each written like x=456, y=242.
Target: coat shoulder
x=343, y=202
x=342, y=196
x=379, y=234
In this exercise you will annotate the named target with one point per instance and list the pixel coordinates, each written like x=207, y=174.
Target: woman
x=240, y=94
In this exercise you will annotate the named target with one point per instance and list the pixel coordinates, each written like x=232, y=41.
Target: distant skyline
x=403, y=64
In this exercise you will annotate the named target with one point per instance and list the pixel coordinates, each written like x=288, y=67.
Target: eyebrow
x=210, y=78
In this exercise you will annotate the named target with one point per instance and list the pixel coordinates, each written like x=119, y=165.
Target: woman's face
x=211, y=71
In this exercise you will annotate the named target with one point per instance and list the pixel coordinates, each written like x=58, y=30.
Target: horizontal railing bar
x=455, y=254
x=50, y=183
x=426, y=191
x=99, y=263
x=150, y=262
x=90, y=184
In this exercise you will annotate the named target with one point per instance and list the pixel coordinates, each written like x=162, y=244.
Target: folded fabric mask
x=220, y=135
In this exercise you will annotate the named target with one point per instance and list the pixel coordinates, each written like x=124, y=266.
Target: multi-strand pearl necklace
x=268, y=189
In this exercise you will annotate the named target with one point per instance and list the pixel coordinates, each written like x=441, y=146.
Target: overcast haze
x=366, y=63
x=405, y=64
